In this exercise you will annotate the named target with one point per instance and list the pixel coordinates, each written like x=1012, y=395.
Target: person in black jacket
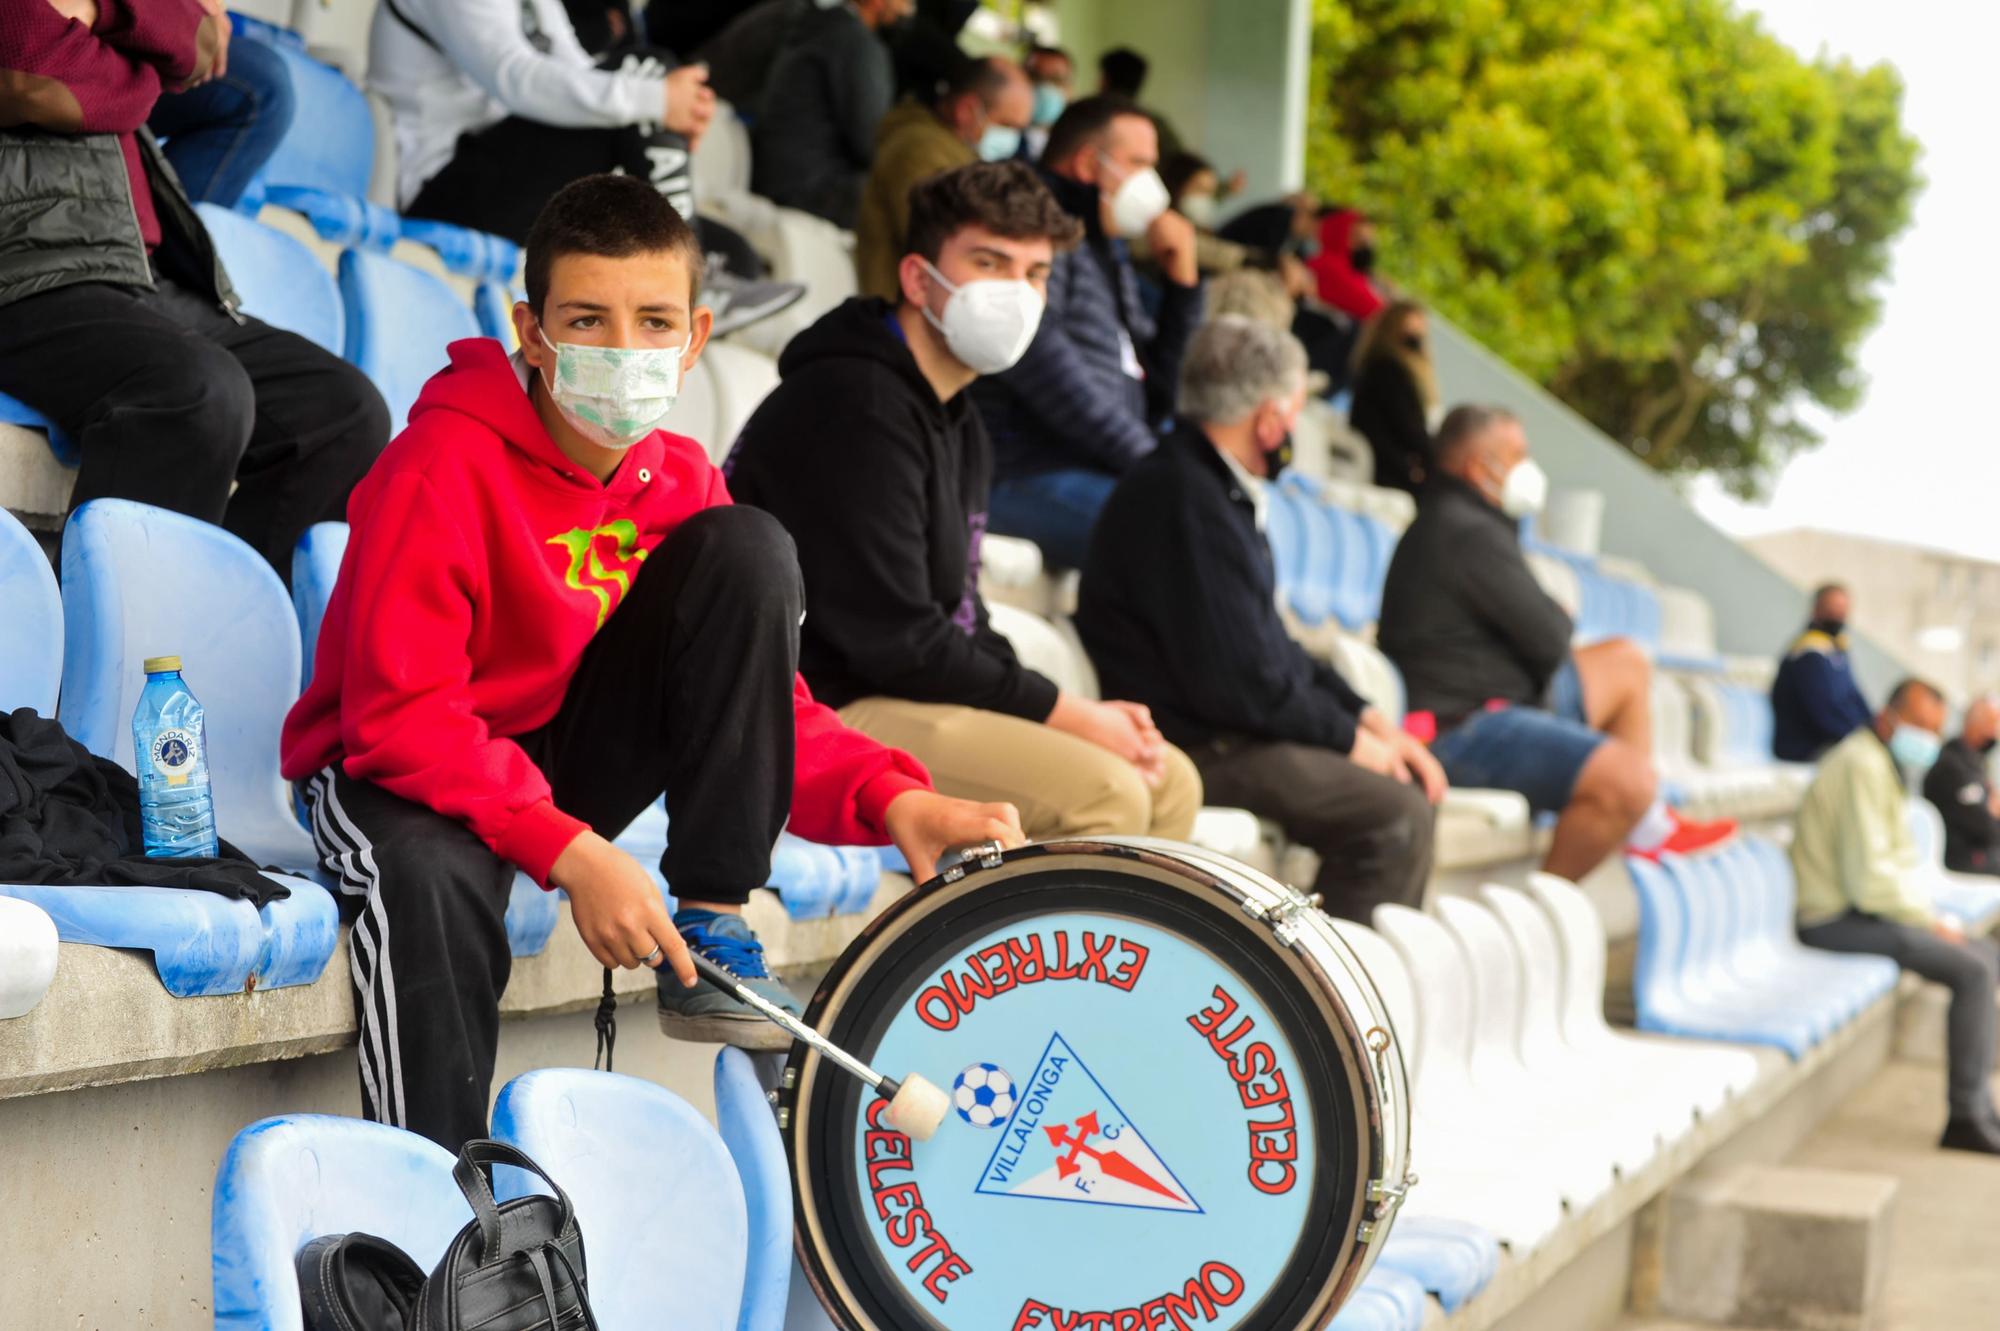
x=1815, y=699
x=824, y=98
x=1486, y=661
x=1177, y=611
x=872, y=457
x=1962, y=791
x=117, y=321
x=1080, y=406
x=1394, y=391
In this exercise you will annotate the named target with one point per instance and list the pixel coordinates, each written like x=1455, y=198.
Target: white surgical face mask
x=987, y=324
x=1525, y=490
x=614, y=396
x=1138, y=201
x=1201, y=209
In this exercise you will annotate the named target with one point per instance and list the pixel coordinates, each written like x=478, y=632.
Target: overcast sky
x=1919, y=460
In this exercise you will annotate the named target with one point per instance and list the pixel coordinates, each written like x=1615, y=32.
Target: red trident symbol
x=1112, y=1163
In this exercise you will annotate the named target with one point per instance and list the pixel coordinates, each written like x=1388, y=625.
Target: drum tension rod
x=952, y=864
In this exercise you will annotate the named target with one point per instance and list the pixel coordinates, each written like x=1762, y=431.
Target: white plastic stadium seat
x=1703, y=1075
x=28, y=954
x=1461, y=1179
x=1559, y=580
x=1593, y=1115
x=721, y=164
x=1449, y=1008
x=808, y=249
x=743, y=378
x=1041, y=648
x=698, y=409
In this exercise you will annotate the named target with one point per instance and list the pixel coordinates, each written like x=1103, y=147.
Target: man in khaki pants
x=870, y=455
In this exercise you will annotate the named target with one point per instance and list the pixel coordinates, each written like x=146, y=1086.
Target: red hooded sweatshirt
x=1341, y=285
x=480, y=563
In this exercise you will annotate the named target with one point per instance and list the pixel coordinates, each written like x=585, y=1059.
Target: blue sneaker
x=711, y=1015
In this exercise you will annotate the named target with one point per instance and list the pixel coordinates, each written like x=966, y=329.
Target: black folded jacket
x=69, y=817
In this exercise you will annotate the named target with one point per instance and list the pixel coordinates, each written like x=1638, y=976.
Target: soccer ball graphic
x=983, y=1095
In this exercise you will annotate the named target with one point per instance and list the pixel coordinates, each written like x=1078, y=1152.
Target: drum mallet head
x=916, y=1107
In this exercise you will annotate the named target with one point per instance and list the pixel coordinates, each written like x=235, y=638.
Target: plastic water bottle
x=170, y=749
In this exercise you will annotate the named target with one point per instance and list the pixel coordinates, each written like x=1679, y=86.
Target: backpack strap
x=473, y=1173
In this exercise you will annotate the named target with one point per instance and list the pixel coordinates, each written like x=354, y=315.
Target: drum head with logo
x=1159, y=1116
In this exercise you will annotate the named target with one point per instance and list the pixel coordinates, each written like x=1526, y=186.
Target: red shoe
x=1688, y=837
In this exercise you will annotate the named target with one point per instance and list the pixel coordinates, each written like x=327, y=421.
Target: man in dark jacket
x=1815, y=702
x=826, y=94
x=1078, y=410
x=1963, y=793
x=1486, y=660
x=117, y=321
x=1177, y=610
x=873, y=459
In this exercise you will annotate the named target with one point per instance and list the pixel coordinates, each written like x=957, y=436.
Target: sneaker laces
x=741, y=957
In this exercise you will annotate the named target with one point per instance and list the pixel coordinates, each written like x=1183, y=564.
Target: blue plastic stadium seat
x=1452, y=1259
x=493, y=308
x=662, y=1209
x=750, y=1131
x=13, y=411
x=31, y=608
x=139, y=582
x=287, y=1180
x=1386, y=1300
x=202, y=943
x=476, y=254
x=1380, y=543
x=399, y=322
x=315, y=565
x=278, y=278
x=323, y=166
x=1717, y=958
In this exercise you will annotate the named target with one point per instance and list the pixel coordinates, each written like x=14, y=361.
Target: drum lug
x=1283, y=917
x=1387, y=1200
x=986, y=854
x=784, y=1117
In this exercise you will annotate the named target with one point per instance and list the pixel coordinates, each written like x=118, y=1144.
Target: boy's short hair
x=1006, y=198
x=612, y=216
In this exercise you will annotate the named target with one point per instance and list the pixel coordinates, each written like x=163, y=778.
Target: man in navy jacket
x=1079, y=408
x=1815, y=702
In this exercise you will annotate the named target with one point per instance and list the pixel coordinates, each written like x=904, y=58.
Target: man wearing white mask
x=1083, y=403
x=549, y=614
x=1861, y=886
x=1492, y=681
x=873, y=459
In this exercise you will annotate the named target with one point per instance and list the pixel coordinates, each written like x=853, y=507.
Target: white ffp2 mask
x=1138, y=201
x=988, y=324
x=1525, y=490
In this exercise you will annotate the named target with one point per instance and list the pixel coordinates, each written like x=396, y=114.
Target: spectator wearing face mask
x=1959, y=786
x=1344, y=262
x=1486, y=659
x=977, y=112
x=1815, y=702
x=1051, y=71
x=1197, y=192
x=1079, y=408
x=1861, y=889
x=825, y=98
x=1395, y=391
x=1178, y=610
x=870, y=455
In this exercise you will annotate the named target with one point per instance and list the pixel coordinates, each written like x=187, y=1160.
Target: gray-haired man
x=1177, y=611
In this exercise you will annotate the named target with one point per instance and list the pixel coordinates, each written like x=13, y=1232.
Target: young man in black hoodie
x=871, y=456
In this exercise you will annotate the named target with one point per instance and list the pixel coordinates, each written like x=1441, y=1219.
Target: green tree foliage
x=1653, y=206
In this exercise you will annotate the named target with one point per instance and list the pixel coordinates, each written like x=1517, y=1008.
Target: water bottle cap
x=161, y=665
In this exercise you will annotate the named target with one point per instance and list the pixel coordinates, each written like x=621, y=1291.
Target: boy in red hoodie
x=549, y=613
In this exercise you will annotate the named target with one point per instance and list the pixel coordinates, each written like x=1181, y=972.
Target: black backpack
x=517, y=1267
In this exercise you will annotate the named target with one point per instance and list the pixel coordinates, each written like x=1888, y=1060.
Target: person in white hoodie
x=497, y=106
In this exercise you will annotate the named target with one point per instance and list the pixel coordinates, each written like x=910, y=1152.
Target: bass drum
x=1176, y=1102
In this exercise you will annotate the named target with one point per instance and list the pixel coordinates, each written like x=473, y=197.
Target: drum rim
x=1380, y=1149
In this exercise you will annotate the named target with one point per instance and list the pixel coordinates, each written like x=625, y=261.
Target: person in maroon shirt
x=117, y=320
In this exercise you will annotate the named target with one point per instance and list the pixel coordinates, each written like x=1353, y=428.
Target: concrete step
x=1784, y=1247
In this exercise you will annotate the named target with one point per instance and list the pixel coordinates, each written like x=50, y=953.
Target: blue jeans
x=1054, y=509
x=218, y=136
x=1525, y=749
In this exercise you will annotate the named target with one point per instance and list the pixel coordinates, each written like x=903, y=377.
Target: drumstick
x=915, y=1105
